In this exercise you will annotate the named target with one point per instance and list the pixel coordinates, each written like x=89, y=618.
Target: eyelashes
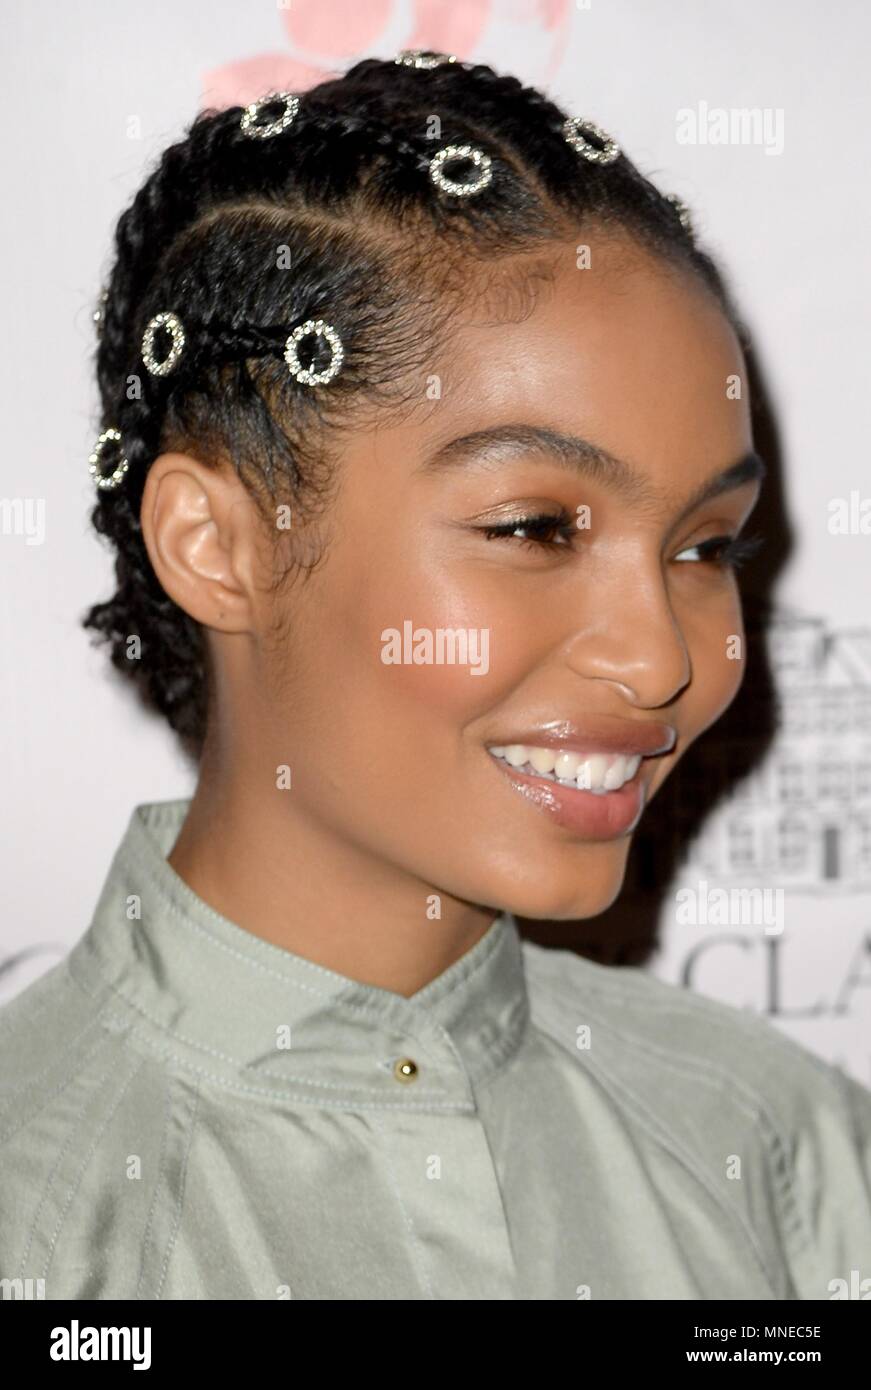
x=542, y=530
x=728, y=551
x=548, y=531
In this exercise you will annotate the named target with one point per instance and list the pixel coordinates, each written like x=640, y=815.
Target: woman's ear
x=200, y=530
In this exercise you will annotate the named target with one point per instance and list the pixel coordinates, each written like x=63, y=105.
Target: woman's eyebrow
x=584, y=457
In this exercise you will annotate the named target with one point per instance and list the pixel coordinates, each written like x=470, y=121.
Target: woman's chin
x=589, y=891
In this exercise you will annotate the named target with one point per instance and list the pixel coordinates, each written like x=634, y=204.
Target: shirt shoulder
x=41, y=1025
x=715, y=1082
x=676, y=1026
x=72, y=1095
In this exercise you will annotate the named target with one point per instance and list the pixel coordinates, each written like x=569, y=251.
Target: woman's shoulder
x=714, y=1083
x=72, y=1092
x=43, y=1022
x=58, y=1041
x=726, y=1095
x=645, y=1022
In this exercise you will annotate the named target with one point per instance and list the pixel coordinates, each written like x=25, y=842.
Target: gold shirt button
x=405, y=1069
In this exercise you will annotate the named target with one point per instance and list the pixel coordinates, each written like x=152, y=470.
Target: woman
x=426, y=453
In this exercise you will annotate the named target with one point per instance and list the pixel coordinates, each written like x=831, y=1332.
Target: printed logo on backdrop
x=801, y=821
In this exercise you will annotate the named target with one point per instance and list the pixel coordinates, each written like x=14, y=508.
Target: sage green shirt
x=187, y=1111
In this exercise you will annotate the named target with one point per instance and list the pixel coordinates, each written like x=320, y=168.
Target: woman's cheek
x=458, y=651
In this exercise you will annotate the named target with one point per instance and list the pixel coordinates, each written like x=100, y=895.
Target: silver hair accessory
x=249, y=124
x=423, y=58
x=682, y=211
x=99, y=313
x=574, y=129
x=291, y=357
x=172, y=323
x=482, y=162
x=109, y=480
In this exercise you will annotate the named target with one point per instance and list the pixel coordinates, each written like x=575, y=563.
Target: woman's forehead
x=639, y=362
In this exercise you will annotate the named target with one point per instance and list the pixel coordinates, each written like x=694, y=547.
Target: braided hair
x=335, y=217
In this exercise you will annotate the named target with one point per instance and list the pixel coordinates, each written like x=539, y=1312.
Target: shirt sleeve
x=827, y=1199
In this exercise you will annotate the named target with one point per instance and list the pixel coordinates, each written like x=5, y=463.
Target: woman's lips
x=594, y=734
x=591, y=815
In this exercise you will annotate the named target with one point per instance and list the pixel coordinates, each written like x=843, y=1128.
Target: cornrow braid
x=370, y=245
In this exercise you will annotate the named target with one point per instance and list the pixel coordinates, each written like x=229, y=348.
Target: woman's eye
x=540, y=531
x=726, y=551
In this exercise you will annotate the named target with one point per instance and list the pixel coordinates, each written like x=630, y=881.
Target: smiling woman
x=482, y=364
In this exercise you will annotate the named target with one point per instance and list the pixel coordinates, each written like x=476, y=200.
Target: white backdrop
x=91, y=93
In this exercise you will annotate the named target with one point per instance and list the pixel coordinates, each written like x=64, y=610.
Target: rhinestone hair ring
x=319, y=329
x=107, y=481
x=423, y=58
x=173, y=325
x=682, y=211
x=308, y=376
x=574, y=130
x=249, y=124
x=483, y=163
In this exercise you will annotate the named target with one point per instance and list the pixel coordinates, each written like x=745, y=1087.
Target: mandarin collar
x=193, y=987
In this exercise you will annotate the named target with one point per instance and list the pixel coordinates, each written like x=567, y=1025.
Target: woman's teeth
x=600, y=772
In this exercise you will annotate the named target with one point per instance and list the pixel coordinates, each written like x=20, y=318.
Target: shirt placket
x=441, y=1170
x=440, y=1167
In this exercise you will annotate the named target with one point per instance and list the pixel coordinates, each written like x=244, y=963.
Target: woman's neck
x=259, y=863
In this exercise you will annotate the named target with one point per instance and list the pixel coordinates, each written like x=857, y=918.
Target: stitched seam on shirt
x=673, y=1146
x=335, y=998
x=181, y=1191
x=698, y=1067
x=793, y=1222
x=421, y=1261
x=491, y=1066
x=751, y=1103
x=687, y=1159
x=30, y=1081
x=701, y=1009
x=8, y=1025
x=258, y=943
x=237, y=1062
x=512, y=1044
x=167, y=1116
x=238, y=1088
x=49, y=1183
x=83, y=1167
x=500, y=1057
x=76, y=1068
x=754, y=1028
x=499, y=939
x=753, y=1106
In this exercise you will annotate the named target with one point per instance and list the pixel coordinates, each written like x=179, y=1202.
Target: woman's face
x=606, y=635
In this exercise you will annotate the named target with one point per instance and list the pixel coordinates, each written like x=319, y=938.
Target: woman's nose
x=634, y=641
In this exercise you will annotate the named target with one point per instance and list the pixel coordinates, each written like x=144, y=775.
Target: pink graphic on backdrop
x=553, y=12
x=449, y=28
x=248, y=79
x=339, y=28
x=345, y=29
